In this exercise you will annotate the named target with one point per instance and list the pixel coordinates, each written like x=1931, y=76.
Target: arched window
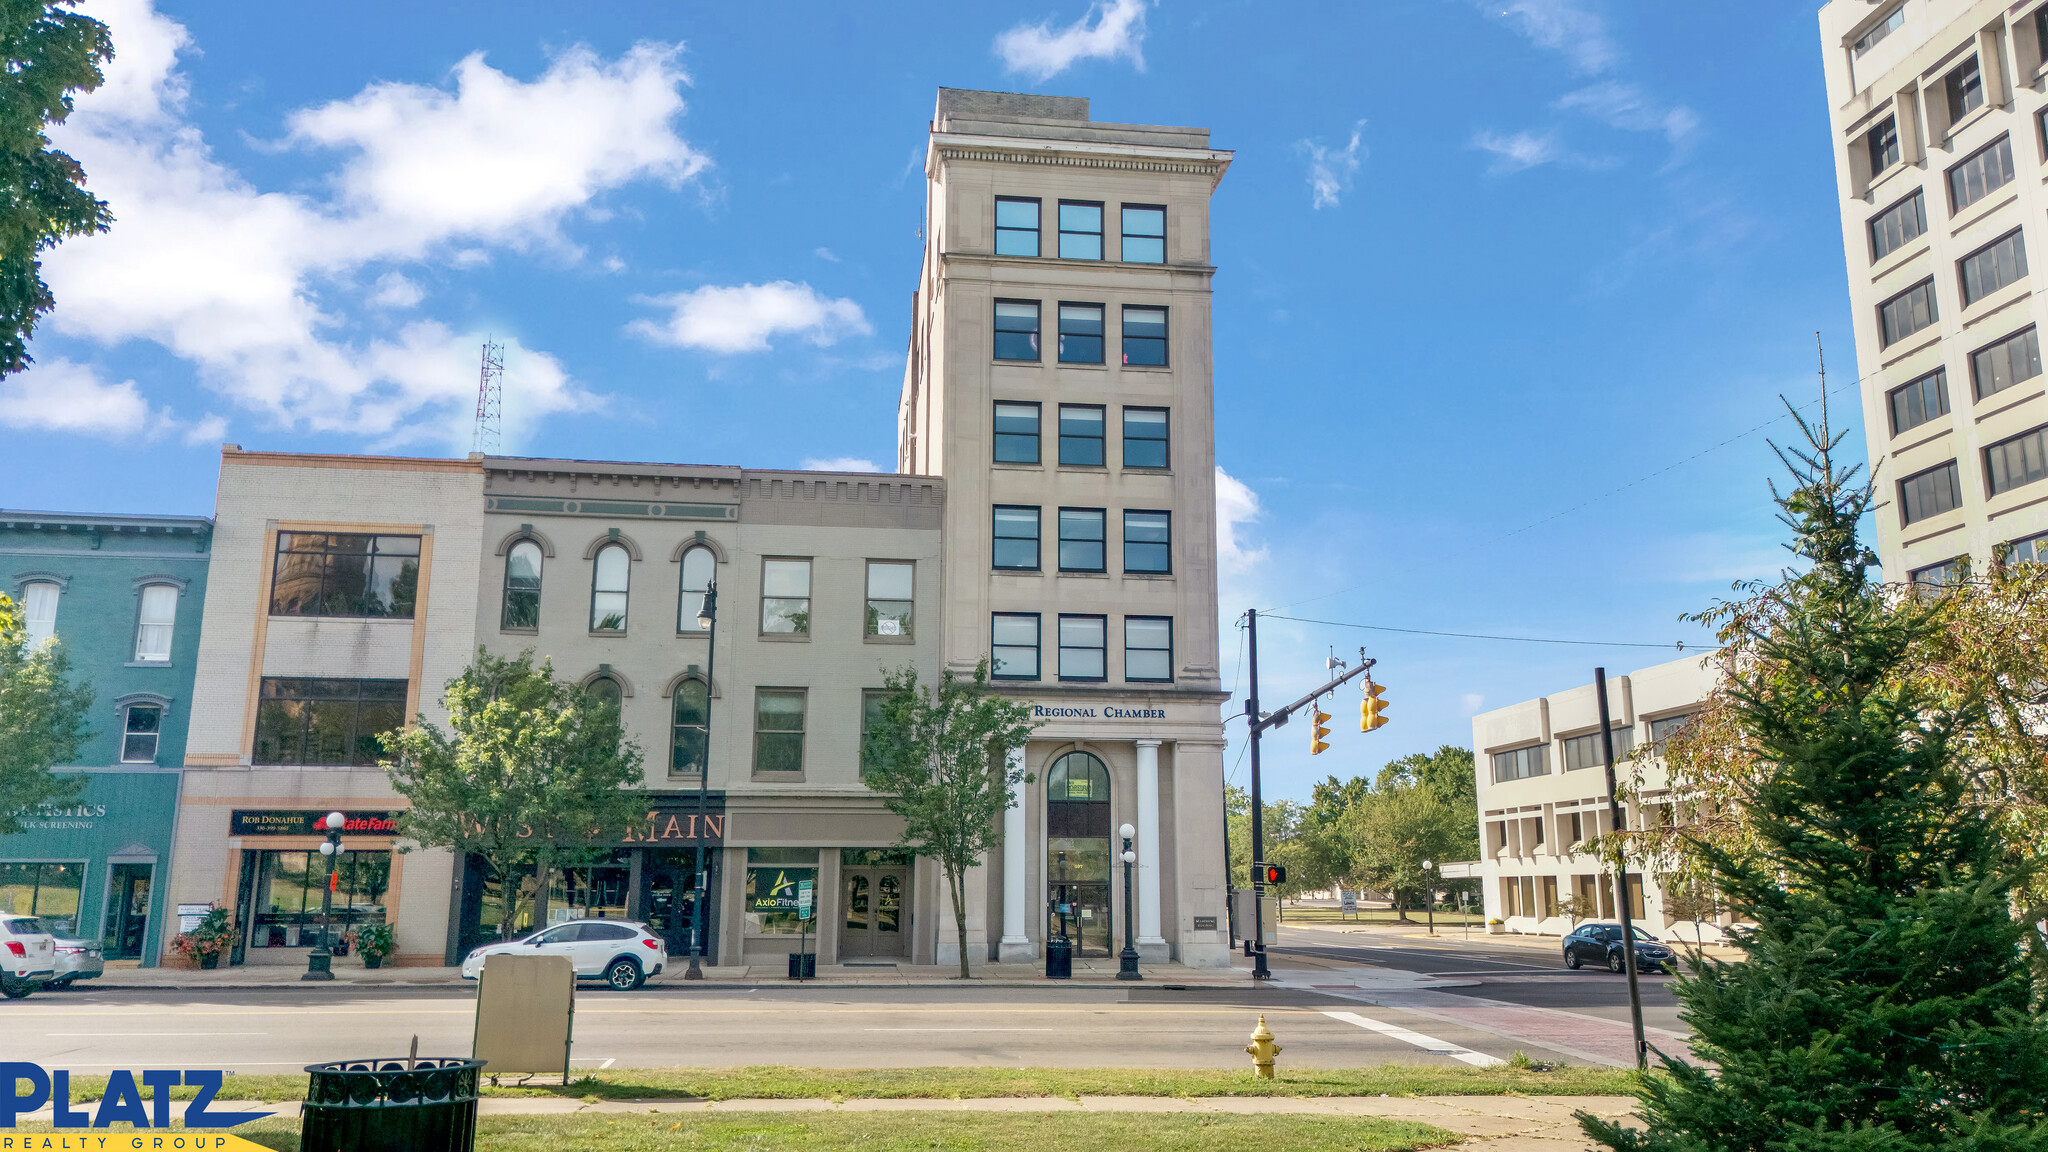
x=608, y=589
x=39, y=605
x=689, y=747
x=522, y=586
x=1077, y=867
x=606, y=689
x=698, y=565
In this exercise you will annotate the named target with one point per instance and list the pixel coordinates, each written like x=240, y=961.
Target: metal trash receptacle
x=383, y=1105
x=1059, y=958
x=803, y=965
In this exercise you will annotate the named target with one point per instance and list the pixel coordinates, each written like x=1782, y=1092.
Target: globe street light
x=1127, y=960
x=707, y=615
x=320, y=961
x=1429, y=897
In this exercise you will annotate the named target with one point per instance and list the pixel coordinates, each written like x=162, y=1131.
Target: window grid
x=891, y=598
x=1148, y=649
x=2020, y=460
x=1898, y=225
x=345, y=574
x=1016, y=432
x=779, y=730
x=610, y=579
x=786, y=597
x=1080, y=230
x=1883, y=142
x=39, y=610
x=1930, y=493
x=1145, y=438
x=1148, y=541
x=700, y=567
x=1946, y=574
x=1985, y=171
x=1013, y=645
x=141, y=729
x=2030, y=550
x=1521, y=763
x=1585, y=751
x=1080, y=333
x=521, y=609
x=1907, y=313
x=156, y=618
x=1965, y=89
x=2006, y=363
x=1883, y=28
x=1017, y=328
x=1081, y=435
x=1084, y=647
x=1081, y=540
x=1144, y=233
x=326, y=721
x=1144, y=336
x=690, y=728
x=1015, y=545
x=1918, y=402
x=1016, y=226
x=1997, y=264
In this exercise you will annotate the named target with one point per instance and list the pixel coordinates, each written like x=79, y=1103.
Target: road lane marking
x=97, y=1035
x=959, y=1029
x=1426, y=1043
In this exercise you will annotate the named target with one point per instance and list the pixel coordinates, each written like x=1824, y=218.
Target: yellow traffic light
x=1319, y=728
x=1372, y=711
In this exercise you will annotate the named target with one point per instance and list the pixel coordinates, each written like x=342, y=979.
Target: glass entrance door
x=668, y=899
x=872, y=903
x=127, y=910
x=1087, y=917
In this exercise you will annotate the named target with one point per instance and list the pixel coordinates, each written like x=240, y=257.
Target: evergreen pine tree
x=1884, y=1001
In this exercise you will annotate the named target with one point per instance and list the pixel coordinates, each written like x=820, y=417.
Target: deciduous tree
x=42, y=720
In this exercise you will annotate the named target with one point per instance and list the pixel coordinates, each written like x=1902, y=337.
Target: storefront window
x=591, y=892
x=46, y=890
x=772, y=878
x=289, y=887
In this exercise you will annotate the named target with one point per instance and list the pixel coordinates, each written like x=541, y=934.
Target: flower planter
x=210, y=960
x=373, y=961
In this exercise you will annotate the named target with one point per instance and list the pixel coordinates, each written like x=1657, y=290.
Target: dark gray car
x=1600, y=943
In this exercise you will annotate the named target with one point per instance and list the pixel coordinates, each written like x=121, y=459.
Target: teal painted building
x=123, y=595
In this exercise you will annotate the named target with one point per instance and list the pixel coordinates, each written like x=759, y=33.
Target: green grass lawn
x=1291, y=914
x=923, y=1131
x=785, y=1083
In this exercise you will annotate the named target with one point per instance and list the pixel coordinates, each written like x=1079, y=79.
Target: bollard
x=1263, y=1049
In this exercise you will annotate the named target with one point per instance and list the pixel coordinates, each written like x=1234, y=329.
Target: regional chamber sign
x=308, y=822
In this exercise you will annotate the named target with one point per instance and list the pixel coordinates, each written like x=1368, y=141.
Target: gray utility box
x=1241, y=916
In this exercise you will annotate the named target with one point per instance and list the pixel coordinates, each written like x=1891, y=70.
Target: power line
x=1678, y=644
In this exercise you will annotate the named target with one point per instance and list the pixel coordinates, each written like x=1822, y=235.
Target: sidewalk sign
x=1347, y=901
x=525, y=1014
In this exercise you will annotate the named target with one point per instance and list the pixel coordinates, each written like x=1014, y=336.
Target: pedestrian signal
x=1372, y=711
x=1319, y=728
x=1276, y=874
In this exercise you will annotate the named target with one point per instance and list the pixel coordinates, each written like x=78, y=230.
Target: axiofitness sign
x=140, y=1099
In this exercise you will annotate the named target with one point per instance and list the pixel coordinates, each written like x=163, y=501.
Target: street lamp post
x=1127, y=960
x=320, y=961
x=1429, y=897
x=707, y=616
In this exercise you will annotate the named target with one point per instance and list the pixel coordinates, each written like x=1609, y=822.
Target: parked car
x=1599, y=942
x=77, y=960
x=28, y=955
x=622, y=953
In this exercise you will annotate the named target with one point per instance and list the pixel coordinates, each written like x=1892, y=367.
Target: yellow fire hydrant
x=1263, y=1049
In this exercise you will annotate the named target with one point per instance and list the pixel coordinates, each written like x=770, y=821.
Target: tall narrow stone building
x=1060, y=380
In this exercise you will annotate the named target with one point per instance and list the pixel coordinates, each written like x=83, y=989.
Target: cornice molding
x=1213, y=169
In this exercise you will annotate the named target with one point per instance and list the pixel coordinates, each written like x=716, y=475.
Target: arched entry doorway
x=1077, y=851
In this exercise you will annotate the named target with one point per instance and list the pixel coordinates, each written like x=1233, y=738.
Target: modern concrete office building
x=1542, y=792
x=1936, y=108
x=1060, y=380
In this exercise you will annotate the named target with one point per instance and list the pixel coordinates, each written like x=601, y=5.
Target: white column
x=1015, y=946
x=1148, y=843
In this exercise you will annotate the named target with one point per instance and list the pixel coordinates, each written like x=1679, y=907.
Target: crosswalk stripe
x=1427, y=1043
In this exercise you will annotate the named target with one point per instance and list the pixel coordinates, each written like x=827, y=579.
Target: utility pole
x=1257, y=722
x=1628, y=927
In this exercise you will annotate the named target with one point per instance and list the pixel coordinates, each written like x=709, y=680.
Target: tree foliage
x=1376, y=834
x=50, y=52
x=1856, y=813
x=530, y=771
x=42, y=721
x=941, y=760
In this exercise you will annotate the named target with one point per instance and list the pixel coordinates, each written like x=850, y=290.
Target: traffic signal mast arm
x=1277, y=718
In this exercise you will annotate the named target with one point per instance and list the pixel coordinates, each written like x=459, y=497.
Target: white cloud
x=1470, y=703
x=1525, y=150
x=743, y=317
x=1624, y=106
x=1236, y=507
x=1330, y=169
x=251, y=287
x=1107, y=31
x=841, y=464
x=1564, y=27
x=57, y=395
x=825, y=254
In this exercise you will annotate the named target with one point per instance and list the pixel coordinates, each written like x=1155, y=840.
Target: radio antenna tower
x=490, y=398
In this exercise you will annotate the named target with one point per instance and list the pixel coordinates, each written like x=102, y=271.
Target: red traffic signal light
x=1276, y=874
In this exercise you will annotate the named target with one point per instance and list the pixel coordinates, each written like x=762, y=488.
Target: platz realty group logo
x=90, y=1126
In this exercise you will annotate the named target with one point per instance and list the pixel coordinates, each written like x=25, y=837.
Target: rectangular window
x=1883, y=142
x=39, y=610
x=1080, y=231
x=2033, y=550
x=1586, y=752
x=1521, y=763
x=1148, y=541
x=1943, y=575
x=1144, y=234
x=1080, y=333
x=1083, y=647
x=1986, y=171
x=1916, y=403
x=1016, y=226
x=890, y=587
x=1016, y=538
x=1016, y=433
x=157, y=616
x=1992, y=267
x=1930, y=493
x=1907, y=313
x=1081, y=540
x=2006, y=363
x=1145, y=438
x=1899, y=224
x=772, y=887
x=140, y=732
x=786, y=597
x=1016, y=329
x=1144, y=336
x=48, y=891
x=1081, y=435
x=328, y=721
x=1965, y=90
x=1013, y=645
x=1891, y=23
x=2020, y=460
x=345, y=574
x=779, y=729
x=1148, y=649
x=1662, y=728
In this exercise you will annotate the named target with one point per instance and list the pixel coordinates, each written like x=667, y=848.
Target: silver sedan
x=77, y=960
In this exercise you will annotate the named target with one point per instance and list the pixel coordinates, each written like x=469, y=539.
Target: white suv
x=28, y=955
x=622, y=953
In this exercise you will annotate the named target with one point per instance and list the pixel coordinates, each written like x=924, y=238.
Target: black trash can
x=803, y=965
x=1059, y=958
x=384, y=1106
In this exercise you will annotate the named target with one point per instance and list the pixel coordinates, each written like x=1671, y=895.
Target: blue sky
x=1480, y=266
